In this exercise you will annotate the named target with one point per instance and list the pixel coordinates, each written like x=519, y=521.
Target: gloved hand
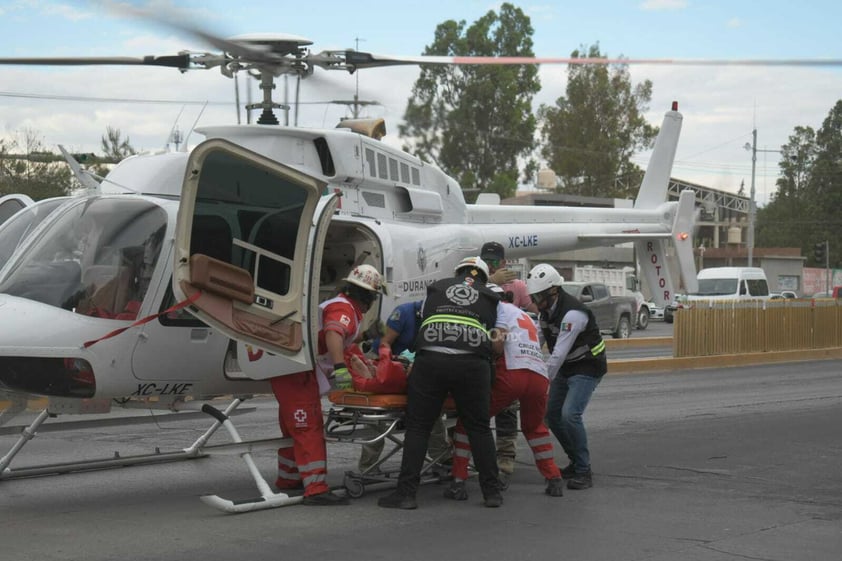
x=502, y=276
x=342, y=377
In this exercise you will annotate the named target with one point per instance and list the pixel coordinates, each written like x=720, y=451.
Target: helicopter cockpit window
x=97, y=258
x=263, y=211
x=16, y=228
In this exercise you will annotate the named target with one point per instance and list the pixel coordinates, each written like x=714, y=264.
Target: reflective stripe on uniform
x=287, y=462
x=318, y=464
x=460, y=437
x=459, y=320
x=539, y=441
x=315, y=478
x=542, y=455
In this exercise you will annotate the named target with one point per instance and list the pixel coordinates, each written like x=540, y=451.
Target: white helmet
x=495, y=288
x=542, y=277
x=367, y=277
x=473, y=263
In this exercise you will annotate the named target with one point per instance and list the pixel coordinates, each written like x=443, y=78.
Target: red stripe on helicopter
x=147, y=319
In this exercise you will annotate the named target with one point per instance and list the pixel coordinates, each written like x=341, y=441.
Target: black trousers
x=468, y=379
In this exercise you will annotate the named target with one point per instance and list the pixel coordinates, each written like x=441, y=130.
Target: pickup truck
x=614, y=314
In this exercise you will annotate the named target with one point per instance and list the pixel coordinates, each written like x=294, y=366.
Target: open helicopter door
x=249, y=236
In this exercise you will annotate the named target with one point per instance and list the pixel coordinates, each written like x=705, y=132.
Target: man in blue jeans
x=576, y=366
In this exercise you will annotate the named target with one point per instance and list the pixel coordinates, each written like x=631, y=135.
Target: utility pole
x=750, y=239
x=752, y=206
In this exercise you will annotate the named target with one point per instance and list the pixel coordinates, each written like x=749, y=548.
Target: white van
x=731, y=283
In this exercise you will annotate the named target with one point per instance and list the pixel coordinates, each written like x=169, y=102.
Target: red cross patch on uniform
x=300, y=417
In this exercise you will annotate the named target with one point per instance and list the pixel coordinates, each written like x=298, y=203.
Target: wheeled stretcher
x=366, y=418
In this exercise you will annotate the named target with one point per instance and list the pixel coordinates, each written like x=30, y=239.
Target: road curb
x=663, y=364
x=638, y=342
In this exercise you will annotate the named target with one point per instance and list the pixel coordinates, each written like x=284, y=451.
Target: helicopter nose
x=41, y=351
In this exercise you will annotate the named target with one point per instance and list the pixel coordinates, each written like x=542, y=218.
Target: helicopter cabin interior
x=346, y=245
x=253, y=224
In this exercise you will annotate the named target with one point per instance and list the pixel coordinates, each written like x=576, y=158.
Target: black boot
x=555, y=487
x=456, y=491
x=580, y=481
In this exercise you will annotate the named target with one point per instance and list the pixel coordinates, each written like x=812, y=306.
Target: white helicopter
x=249, y=232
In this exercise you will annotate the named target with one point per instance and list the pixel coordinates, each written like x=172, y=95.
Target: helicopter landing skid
x=198, y=449
x=267, y=498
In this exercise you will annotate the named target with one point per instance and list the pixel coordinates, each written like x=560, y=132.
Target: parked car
x=678, y=302
x=789, y=294
x=614, y=314
x=655, y=311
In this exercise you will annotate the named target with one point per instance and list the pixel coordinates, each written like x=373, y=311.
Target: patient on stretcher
x=387, y=374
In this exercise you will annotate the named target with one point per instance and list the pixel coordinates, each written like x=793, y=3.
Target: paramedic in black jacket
x=453, y=356
x=576, y=365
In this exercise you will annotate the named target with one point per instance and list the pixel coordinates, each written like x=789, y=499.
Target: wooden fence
x=735, y=327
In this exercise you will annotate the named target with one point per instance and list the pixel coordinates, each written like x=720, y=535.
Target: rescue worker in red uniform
x=505, y=421
x=520, y=374
x=304, y=464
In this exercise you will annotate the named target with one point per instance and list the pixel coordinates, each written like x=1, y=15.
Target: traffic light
x=819, y=252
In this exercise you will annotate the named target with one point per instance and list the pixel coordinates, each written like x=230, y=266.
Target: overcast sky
x=721, y=105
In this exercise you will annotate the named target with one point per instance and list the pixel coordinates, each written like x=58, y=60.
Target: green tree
x=476, y=122
x=806, y=208
x=825, y=185
x=786, y=221
x=590, y=135
x=26, y=168
x=114, y=148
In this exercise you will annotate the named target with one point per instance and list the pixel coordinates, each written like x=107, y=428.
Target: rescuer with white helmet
x=576, y=366
x=520, y=374
x=300, y=412
x=469, y=263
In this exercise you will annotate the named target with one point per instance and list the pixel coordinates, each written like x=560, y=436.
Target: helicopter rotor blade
x=181, y=61
x=237, y=47
x=353, y=60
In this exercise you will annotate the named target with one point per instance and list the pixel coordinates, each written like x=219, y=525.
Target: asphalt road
x=703, y=465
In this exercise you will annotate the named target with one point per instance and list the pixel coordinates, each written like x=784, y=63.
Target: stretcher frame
x=366, y=418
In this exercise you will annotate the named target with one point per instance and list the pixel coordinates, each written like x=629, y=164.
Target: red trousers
x=531, y=389
x=300, y=416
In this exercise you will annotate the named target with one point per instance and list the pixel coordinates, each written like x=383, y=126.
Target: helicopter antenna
x=356, y=108
x=194, y=125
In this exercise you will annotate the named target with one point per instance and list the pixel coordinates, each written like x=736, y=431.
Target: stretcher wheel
x=354, y=486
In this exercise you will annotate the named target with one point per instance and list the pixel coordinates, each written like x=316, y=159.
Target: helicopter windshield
x=96, y=259
x=16, y=228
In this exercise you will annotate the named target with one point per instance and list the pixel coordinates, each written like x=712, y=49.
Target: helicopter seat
x=110, y=292
x=226, y=290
